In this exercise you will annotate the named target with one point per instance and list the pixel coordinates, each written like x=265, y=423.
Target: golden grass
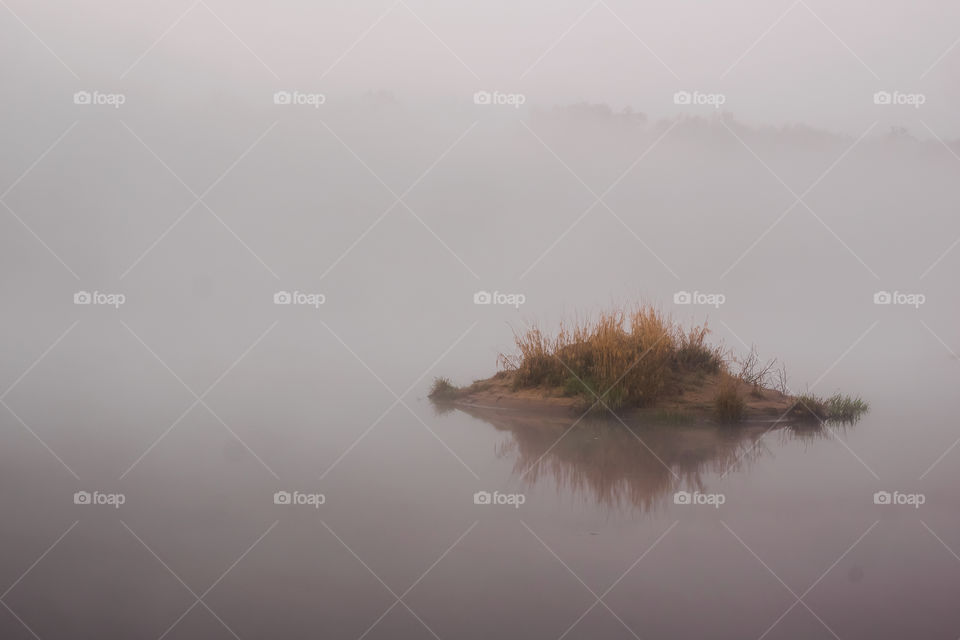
x=729, y=403
x=623, y=358
x=631, y=357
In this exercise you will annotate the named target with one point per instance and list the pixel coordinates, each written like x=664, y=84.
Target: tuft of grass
x=729, y=404
x=809, y=406
x=443, y=389
x=627, y=357
x=845, y=408
x=838, y=407
x=694, y=354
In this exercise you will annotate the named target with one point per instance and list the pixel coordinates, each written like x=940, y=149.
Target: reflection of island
x=602, y=460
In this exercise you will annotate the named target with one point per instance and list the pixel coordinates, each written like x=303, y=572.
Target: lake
x=778, y=534
x=243, y=447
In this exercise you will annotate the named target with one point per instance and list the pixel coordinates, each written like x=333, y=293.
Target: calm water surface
x=200, y=400
x=399, y=549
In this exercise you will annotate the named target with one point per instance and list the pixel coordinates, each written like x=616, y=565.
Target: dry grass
x=729, y=403
x=443, y=389
x=838, y=407
x=632, y=357
x=625, y=357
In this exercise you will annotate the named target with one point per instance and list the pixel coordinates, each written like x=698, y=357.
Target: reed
x=443, y=389
x=633, y=357
x=838, y=407
x=729, y=404
x=622, y=358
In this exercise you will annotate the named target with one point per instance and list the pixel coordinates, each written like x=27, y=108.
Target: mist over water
x=229, y=284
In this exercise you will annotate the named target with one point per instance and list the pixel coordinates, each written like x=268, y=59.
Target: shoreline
x=690, y=404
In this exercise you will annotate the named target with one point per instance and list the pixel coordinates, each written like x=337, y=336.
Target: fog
x=392, y=160
x=808, y=62
x=499, y=202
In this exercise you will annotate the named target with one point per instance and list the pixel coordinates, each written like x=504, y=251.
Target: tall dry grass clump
x=693, y=352
x=729, y=403
x=625, y=357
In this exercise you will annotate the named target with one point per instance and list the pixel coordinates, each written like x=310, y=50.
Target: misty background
x=598, y=189
x=400, y=197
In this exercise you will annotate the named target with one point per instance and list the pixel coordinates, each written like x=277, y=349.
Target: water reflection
x=640, y=467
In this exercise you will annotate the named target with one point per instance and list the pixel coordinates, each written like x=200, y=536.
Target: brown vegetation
x=638, y=358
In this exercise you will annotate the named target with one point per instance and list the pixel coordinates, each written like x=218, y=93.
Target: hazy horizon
x=775, y=63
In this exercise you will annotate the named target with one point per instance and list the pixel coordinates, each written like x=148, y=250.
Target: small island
x=638, y=362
